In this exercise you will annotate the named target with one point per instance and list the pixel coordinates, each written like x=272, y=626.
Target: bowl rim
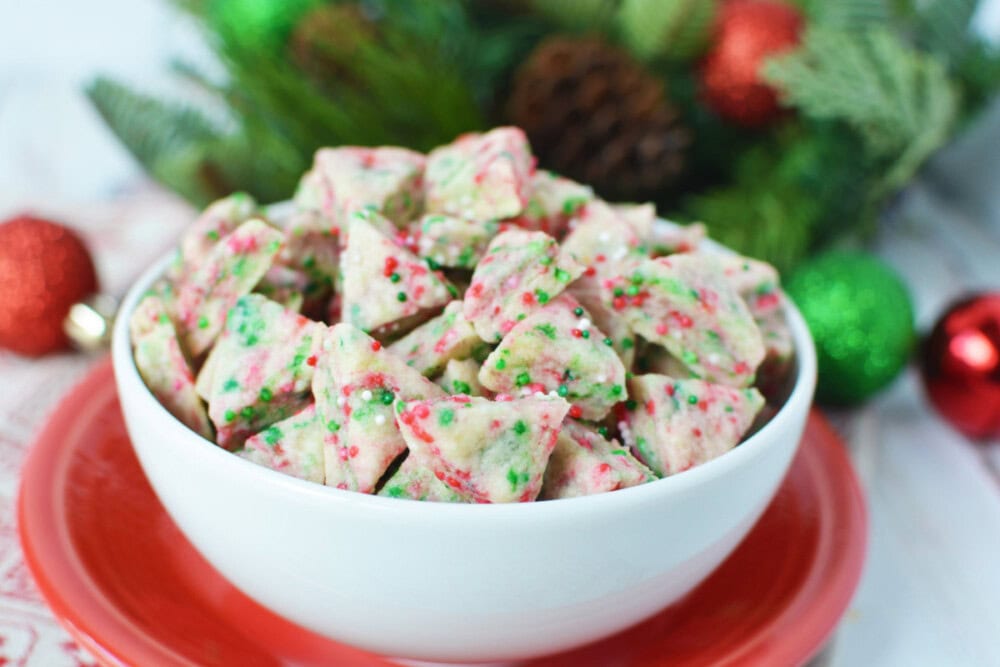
x=131, y=388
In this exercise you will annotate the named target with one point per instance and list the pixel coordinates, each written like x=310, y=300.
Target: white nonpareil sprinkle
x=426, y=243
x=600, y=379
x=583, y=324
x=379, y=419
x=604, y=237
x=366, y=395
x=525, y=392
x=340, y=401
x=713, y=358
x=539, y=394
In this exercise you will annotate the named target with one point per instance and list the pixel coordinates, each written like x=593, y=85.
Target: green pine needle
x=899, y=100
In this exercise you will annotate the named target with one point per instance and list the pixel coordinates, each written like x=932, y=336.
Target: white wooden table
x=930, y=593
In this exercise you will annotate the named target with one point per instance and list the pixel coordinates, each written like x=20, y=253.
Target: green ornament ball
x=861, y=317
x=265, y=24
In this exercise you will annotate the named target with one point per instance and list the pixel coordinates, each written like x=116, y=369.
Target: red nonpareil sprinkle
x=376, y=346
x=741, y=368
x=696, y=432
x=418, y=291
x=670, y=389
x=422, y=411
x=342, y=453
x=575, y=412
x=619, y=303
x=576, y=333
x=661, y=329
x=507, y=325
x=650, y=407
x=703, y=405
x=683, y=320
x=353, y=451
x=600, y=258
x=406, y=418
x=527, y=298
x=390, y=266
x=590, y=272
x=312, y=360
x=503, y=398
x=604, y=468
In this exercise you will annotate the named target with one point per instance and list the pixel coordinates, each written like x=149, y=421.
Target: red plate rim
x=791, y=636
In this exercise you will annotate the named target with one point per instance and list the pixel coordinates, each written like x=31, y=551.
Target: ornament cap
x=89, y=323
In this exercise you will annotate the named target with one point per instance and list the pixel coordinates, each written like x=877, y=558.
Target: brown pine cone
x=326, y=39
x=596, y=115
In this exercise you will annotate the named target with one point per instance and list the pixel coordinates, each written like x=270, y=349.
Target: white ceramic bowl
x=434, y=581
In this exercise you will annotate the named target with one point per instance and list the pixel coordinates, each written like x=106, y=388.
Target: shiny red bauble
x=961, y=365
x=746, y=32
x=44, y=269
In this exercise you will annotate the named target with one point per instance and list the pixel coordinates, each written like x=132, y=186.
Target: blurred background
x=867, y=127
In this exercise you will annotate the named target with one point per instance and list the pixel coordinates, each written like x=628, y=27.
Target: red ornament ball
x=44, y=269
x=747, y=32
x=961, y=365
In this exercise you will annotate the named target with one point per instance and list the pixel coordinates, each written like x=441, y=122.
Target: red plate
x=120, y=576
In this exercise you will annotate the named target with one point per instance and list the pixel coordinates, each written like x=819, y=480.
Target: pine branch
x=848, y=14
x=899, y=100
x=168, y=140
x=944, y=26
x=674, y=29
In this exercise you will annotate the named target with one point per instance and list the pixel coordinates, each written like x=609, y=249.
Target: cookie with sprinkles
x=668, y=238
x=462, y=377
x=487, y=451
x=756, y=281
x=261, y=368
x=584, y=462
x=587, y=290
x=480, y=176
x=600, y=237
x=384, y=282
x=417, y=482
x=521, y=272
x=355, y=385
x=348, y=178
x=432, y=344
x=232, y=268
x=452, y=242
x=553, y=201
x=219, y=219
x=558, y=349
x=685, y=303
x=284, y=285
x=293, y=446
x=312, y=246
x=678, y=424
x=162, y=364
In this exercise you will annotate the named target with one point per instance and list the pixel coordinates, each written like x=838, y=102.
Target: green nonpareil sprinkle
x=212, y=234
x=522, y=379
x=230, y=385
x=446, y=417
x=563, y=390
x=630, y=404
x=632, y=290
x=512, y=477
x=636, y=279
x=401, y=297
x=229, y=416
x=692, y=399
x=395, y=278
x=400, y=408
x=548, y=330
x=616, y=390
x=546, y=260
x=309, y=262
x=618, y=452
x=563, y=276
x=452, y=290
x=608, y=342
x=585, y=333
x=618, y=291
x=203, y=322
x=542, y=296
x=461, y=387
x=603, y=430
x=387, y=397
x=272, y=435
x=578, y=311
x=432, y=264
x=627, y=344
x=520, y=427
x=247, y=412
x=266, y=395
x=501, y=364
x=332, y=426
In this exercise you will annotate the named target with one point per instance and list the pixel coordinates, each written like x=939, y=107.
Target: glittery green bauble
x=860, y=314
x=265, y=24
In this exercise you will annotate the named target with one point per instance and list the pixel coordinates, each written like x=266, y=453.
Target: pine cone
x=594, y=114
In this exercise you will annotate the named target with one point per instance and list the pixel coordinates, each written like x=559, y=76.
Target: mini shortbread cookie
x=384, y=282
x=587, y=290
x=553, y=202
x=162, y=364
x=261, y=368
x=349, y=178
x=293, y=446
x=432, y=344
x=521, y=272
x=480, y=176
x=685, y=303
x=450, y=241
x=678, y=424
x=600, y=236
x=312, y=246
x=355, y=385
x=462, y=377
x=232, y=268
x=585, y=462
x=558, y=349
x=757, y=282
x=417, y=482
x=219, y=219
x=486, y=451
